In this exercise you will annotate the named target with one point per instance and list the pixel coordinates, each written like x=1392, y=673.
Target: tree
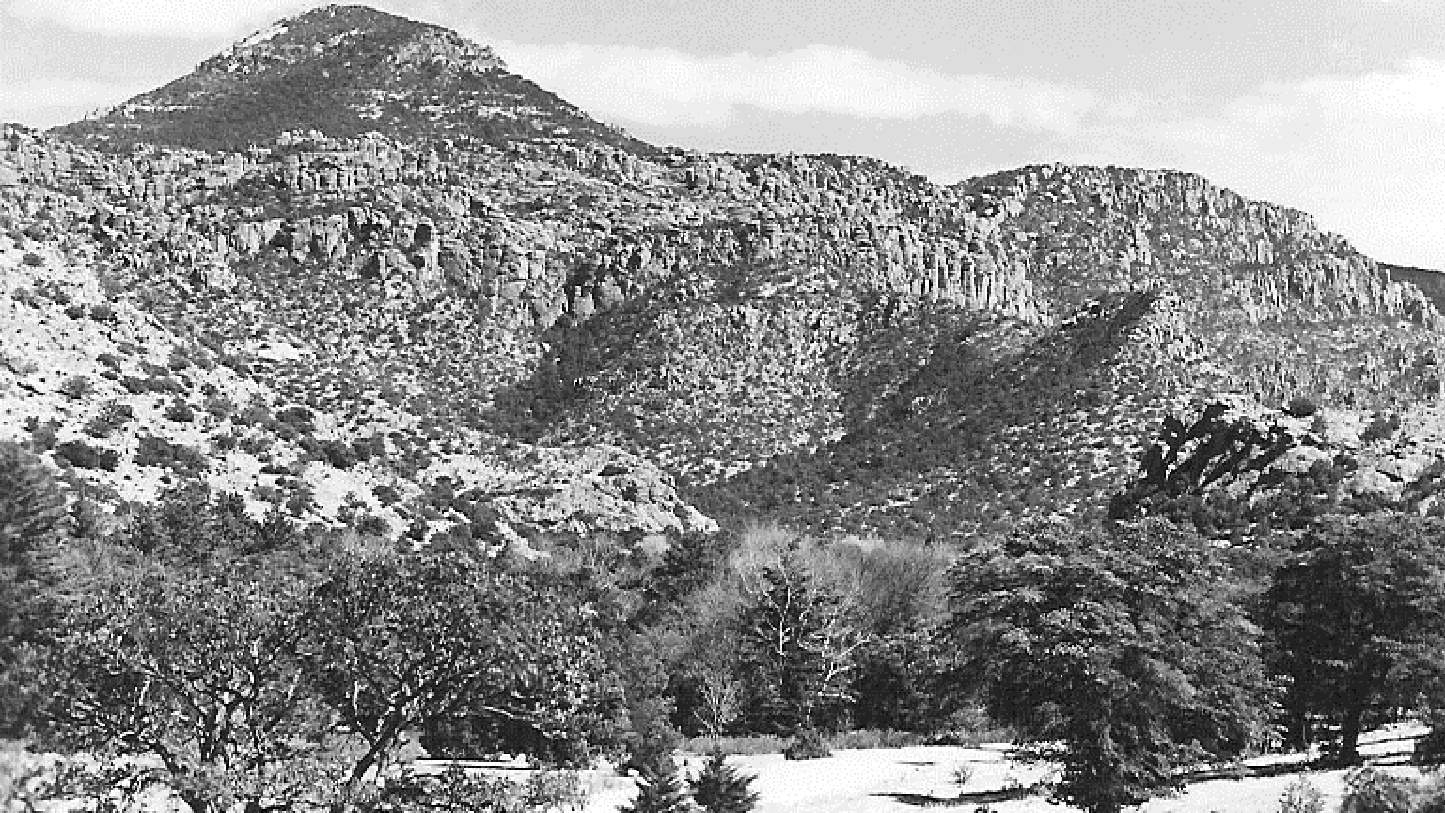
x=1123, y=647
x=719, y=788
x=1357, y=618
x=798, y=642
x=193, y=660
x=660, y=790
x=32, y=512
x=397, y=642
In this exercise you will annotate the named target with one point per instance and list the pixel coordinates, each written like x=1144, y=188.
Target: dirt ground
x=905, y=779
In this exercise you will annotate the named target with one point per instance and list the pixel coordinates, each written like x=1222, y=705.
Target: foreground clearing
x=904, y=779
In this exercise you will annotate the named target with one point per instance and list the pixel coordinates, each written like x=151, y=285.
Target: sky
x=1335, y=107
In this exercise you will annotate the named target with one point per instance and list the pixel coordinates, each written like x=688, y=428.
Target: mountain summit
x=345, y=71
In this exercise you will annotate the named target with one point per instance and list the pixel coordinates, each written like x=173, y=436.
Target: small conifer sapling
x=720, y=788
x=660, y=790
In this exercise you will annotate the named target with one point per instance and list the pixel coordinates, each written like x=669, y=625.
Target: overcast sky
x=1336, y=107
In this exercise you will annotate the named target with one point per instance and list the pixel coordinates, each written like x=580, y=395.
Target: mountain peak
x=336, y=27
x=345, y=71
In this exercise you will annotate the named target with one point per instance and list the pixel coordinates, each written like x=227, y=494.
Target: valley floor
x=904, y=779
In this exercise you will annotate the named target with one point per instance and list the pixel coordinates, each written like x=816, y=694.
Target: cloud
x=48, y=102
x=1362, y=152
x=668, y=88
x=194, y=19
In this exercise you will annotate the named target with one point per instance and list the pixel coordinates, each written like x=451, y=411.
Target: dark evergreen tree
x=1358, y=620
x=1124, y=649
x=719, y=788
x=660, y=790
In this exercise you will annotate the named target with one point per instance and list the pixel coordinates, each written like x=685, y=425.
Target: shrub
x=42, y=435
x=82, y=455
x=109, y=360
x=1301, y=797
x=18, y=364
x=1370, y=791
x=962, y=772
x=102, y=313
x=553, y=790
x=737, y=746
x=180, y=412
x=256, y=445
x=112, y=416
x=1431, y=797
x=75, y=387
x=872, y=738
x=220, y=406
x=807, y=743
x=453, y=791
x=336, y=453
x=161, y=453
x=33, y=260
x=373, y=525
x=252, y=415
x=75, y=311
x=98, y=427
x=1301, y=407
x=301, y=500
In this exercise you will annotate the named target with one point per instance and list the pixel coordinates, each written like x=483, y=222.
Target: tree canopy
x=1123, y=646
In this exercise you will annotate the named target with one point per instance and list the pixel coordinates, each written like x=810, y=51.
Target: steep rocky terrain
x=419, y=280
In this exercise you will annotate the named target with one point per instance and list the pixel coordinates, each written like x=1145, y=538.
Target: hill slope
x=345, y=71
x=565, y=328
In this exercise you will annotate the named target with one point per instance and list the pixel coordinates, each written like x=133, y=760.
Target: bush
x=554, y=790
x=962, y=772
x=873, y=738
x=807, y=743
x=42, y=435
x=1431, y=797
x=299, y=417
x=75, y=311
x=82, y=455
x=1301, y=407
x=1370, y=791
x=33, y=260
x=180, y=412
x=161, y=453
x=1381, y=428
x=112, y=416
x=373, y=525
x=1301, y=797
x=102, y=313
x=76, y=387
x=220, y=406
x=450, y=792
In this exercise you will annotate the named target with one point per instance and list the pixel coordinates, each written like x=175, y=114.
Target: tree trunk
x=1349, y=753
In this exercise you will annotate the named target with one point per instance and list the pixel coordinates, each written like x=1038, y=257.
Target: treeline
x=262, y=664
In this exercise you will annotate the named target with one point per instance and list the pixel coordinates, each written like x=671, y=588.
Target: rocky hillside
x=551, y=329
x=345, y=71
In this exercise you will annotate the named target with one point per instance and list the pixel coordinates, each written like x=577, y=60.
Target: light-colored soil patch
x=924, y=778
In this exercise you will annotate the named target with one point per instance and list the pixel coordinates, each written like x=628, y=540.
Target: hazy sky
x=1336, y=107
